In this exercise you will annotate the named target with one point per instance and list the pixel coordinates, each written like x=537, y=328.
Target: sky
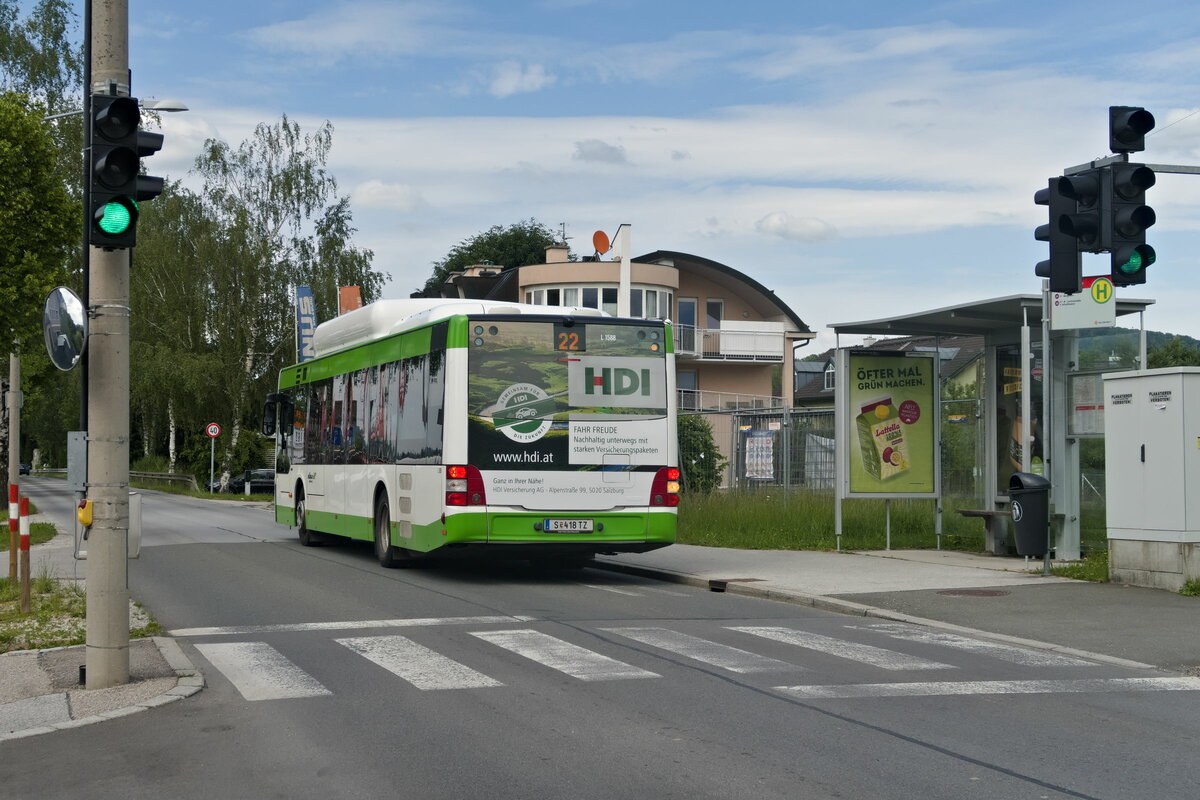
x=861, y=159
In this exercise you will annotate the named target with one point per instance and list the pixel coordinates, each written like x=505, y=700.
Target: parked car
x=23, y=469
x=262, y=481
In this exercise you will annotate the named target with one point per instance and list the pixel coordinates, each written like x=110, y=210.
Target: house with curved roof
x=734, y=338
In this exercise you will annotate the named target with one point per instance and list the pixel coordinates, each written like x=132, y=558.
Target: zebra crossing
x=259, y=671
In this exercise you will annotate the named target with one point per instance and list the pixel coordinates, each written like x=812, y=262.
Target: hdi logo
x=616, y=381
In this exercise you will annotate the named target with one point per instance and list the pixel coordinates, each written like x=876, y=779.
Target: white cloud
x=799, y=229
x=599, y=152
x=512, y=78
x=394, y=196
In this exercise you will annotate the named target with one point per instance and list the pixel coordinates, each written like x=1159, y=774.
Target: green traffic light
x=1141, y=257
x=115, y=217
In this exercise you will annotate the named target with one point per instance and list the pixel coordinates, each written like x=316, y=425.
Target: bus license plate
x=567, y=526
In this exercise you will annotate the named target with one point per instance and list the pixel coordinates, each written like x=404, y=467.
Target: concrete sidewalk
x=995, y=597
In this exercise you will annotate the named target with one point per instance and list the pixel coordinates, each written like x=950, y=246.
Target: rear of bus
x=570, y=435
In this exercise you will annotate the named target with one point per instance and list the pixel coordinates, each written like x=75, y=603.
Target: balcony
x=704, y=400
x=733, y=341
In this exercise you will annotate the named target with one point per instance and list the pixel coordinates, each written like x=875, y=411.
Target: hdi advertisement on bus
x=584, y=409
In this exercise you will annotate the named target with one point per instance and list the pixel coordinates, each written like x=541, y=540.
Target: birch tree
x=278, y=221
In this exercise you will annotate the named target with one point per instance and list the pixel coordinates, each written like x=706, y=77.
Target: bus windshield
x=566, y=394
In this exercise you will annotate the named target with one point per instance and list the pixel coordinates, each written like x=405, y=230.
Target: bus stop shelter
x=1038, y=399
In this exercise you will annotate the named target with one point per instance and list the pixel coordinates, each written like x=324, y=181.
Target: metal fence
x=775, y=447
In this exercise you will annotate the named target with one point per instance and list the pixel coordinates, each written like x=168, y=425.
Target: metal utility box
x=1152, y=466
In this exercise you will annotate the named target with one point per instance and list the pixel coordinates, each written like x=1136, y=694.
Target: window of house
x=552, y=297
x=591, y=297
x=570, y=297
x=715, y=310
x=830, y=375
x=609, y=300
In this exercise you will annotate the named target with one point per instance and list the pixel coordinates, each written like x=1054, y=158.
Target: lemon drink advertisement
x=892, y=408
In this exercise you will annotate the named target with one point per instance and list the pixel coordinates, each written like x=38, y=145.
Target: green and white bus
x=441, y=425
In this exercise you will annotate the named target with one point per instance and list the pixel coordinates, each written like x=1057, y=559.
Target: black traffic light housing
x=1063, y=268
x=1085, y=225
x=116, y=188
x=1127, y=128
x=1129, y=217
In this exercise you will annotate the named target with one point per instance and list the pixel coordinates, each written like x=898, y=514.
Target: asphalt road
x=329, y=676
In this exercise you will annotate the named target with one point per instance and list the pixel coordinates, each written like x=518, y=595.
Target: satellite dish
x=65, y=327
x=600, y=242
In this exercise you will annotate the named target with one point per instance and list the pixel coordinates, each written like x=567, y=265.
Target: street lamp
x=170, y=104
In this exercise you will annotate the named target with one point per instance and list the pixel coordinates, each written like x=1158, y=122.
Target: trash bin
x=1030, y=513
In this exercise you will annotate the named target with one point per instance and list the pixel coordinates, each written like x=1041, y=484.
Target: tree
x=700, y=460
x=1173, y=353
x=215, y=270
x=37, y=213
x=516, y=245
x=39, y=57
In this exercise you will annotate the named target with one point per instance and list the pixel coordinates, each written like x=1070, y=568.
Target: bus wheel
x=388, y=555
x=308, y=538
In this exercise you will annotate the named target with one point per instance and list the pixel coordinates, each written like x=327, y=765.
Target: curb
x=839, y=606
x=188, y=681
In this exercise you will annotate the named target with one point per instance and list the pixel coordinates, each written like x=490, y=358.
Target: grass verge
x=1093, y=567
x=58, y=615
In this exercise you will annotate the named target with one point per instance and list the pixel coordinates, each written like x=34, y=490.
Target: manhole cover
x=974, y=592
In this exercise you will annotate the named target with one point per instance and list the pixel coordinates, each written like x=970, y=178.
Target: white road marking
x=576, y=661
x=714, y=653
x=671, y=592
x=613, y=589
x=346, y=625
x=865, y=653
x=953, y=688
x=1005, y=652
x=417, y=664
x=260, y=672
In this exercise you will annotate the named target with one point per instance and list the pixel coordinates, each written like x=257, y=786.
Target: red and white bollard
x=13, y=489
x=26, y=606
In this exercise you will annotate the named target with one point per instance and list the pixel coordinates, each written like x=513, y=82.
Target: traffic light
x=1085, y=225
x=1063, y=267
x=1127, y=128
x=1129, y=217
x=116, y=188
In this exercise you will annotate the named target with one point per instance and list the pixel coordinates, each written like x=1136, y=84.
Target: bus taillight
x=464, y=486
x=665, y=489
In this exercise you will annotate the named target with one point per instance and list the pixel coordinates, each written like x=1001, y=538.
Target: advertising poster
x=892, y=407
x=760, y=455
x=306, y=323
x=573, y=419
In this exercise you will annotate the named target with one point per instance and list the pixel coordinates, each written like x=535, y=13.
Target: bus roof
x=386, y=317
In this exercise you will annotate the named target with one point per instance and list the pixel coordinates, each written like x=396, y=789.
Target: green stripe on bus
x=393, y=348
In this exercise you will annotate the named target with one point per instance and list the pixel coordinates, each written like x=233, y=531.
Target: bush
x=700, y=462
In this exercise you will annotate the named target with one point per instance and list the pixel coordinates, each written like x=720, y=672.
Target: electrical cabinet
x=1152, y=466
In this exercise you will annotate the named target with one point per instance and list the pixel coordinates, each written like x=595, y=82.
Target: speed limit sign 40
x=213, y=430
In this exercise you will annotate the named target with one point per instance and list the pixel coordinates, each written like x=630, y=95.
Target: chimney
x=557, y=253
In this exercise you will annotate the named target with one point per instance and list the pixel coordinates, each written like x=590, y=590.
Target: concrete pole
x=13, y=399
x=622, y=245
x=108, y=399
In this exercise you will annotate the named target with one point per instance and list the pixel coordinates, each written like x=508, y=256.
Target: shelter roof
x=979, y=317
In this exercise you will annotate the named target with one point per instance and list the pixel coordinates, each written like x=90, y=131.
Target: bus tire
x=308, y=538
x=387, y=553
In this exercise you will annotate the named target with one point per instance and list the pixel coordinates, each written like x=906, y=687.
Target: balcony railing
x=733, y=341
x=703, y=400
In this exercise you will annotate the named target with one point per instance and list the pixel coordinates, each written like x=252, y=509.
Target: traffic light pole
x=107, y=651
